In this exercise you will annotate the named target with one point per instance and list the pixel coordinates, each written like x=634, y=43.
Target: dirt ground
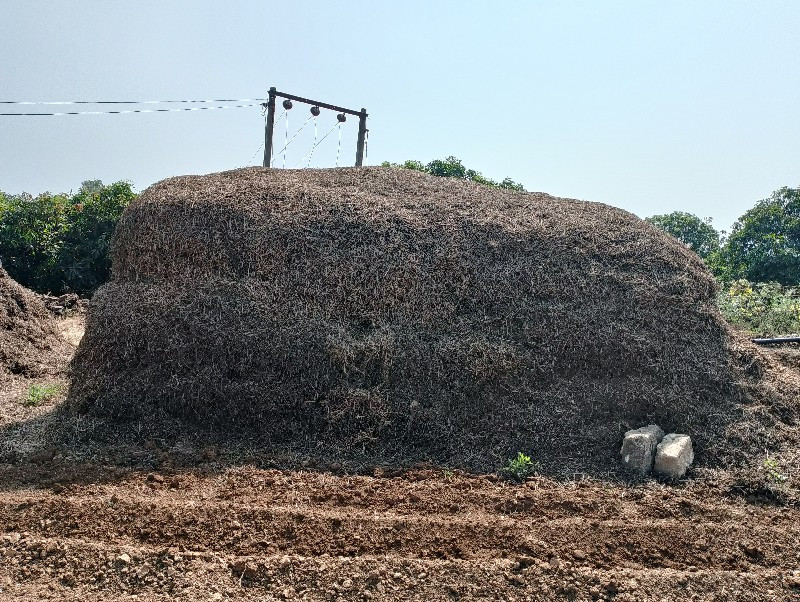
x=196, y=524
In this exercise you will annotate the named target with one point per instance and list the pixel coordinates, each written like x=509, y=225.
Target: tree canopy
x=764, y=244
x=61, y=242
x=451, y=167
x=697, y=234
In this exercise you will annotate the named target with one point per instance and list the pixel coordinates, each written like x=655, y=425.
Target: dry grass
x=30, y=343
x=389, y=313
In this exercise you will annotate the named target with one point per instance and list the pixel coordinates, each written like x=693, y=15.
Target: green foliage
x=60, y=243
x=520, y=467
x=772, y=471
x=410, y=164
x=764, y=244
x=91, y=186
x=38, y=394
x=30, y=233
x=766, y=309
x=84, y=256
x=697, y=234
x=453, y=168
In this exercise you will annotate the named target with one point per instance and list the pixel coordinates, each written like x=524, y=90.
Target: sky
x=650, y=106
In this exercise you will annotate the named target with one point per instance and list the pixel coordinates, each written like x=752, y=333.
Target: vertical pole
x=268, y=129
x=362, y=131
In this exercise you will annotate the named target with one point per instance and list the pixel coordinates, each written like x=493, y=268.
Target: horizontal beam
x=324, y=105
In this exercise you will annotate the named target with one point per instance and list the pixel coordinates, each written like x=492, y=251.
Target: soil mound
x=30, y=344
x=415, y=317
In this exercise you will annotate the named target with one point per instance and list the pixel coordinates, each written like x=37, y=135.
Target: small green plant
x=520, y=467
x=38, y=394
x=772, y=470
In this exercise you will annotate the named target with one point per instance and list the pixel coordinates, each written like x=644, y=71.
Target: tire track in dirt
x=244, y=533
x=242, y=529
x=69, y=567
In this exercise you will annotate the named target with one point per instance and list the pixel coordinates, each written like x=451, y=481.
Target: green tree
x=451, y=167
x=697, y=234
x=60, y=243
x=90, y=186
x=31, y=230
x=764, y=244
x=84, y=260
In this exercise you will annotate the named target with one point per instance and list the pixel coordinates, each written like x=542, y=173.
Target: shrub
x=60, y=243
x=84, y=259
x=520, y=467
x=451, y=167
x=766, y=309
x=31, y=230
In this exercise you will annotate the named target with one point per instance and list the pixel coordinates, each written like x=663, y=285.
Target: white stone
x=639, y=448
x=674, y=455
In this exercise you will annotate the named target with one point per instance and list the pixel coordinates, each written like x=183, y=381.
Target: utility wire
x=124, y=112
x=286, y=141
x=311, y=154
x=123, y=102
x=260, y=146
x=317, y=144
x=339, y=146
x=293, y=137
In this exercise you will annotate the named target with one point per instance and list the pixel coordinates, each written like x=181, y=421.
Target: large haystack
x=387, y=310
x=30, y=344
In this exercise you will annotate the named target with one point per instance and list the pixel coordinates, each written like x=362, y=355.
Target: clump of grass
x=38, y=394
x=521, y=467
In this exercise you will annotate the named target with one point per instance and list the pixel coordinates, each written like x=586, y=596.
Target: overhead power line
x=127, y=111
x=122, y=102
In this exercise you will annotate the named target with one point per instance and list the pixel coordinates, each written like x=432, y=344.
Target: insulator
x=341, y=117
x=315, y=111
x=287, y=104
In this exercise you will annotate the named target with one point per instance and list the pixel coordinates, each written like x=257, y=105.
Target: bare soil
x=89, y=532
x=199, y=524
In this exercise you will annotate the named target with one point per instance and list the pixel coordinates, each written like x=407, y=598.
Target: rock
x=656, y=430
x=639, y=448
x=123, y=558
x=674, y=455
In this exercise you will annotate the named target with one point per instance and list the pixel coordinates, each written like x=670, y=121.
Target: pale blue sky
x=649, y=106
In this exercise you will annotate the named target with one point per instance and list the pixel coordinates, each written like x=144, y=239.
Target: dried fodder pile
x=787, y=355
x=30, y=344
x=411, y=317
